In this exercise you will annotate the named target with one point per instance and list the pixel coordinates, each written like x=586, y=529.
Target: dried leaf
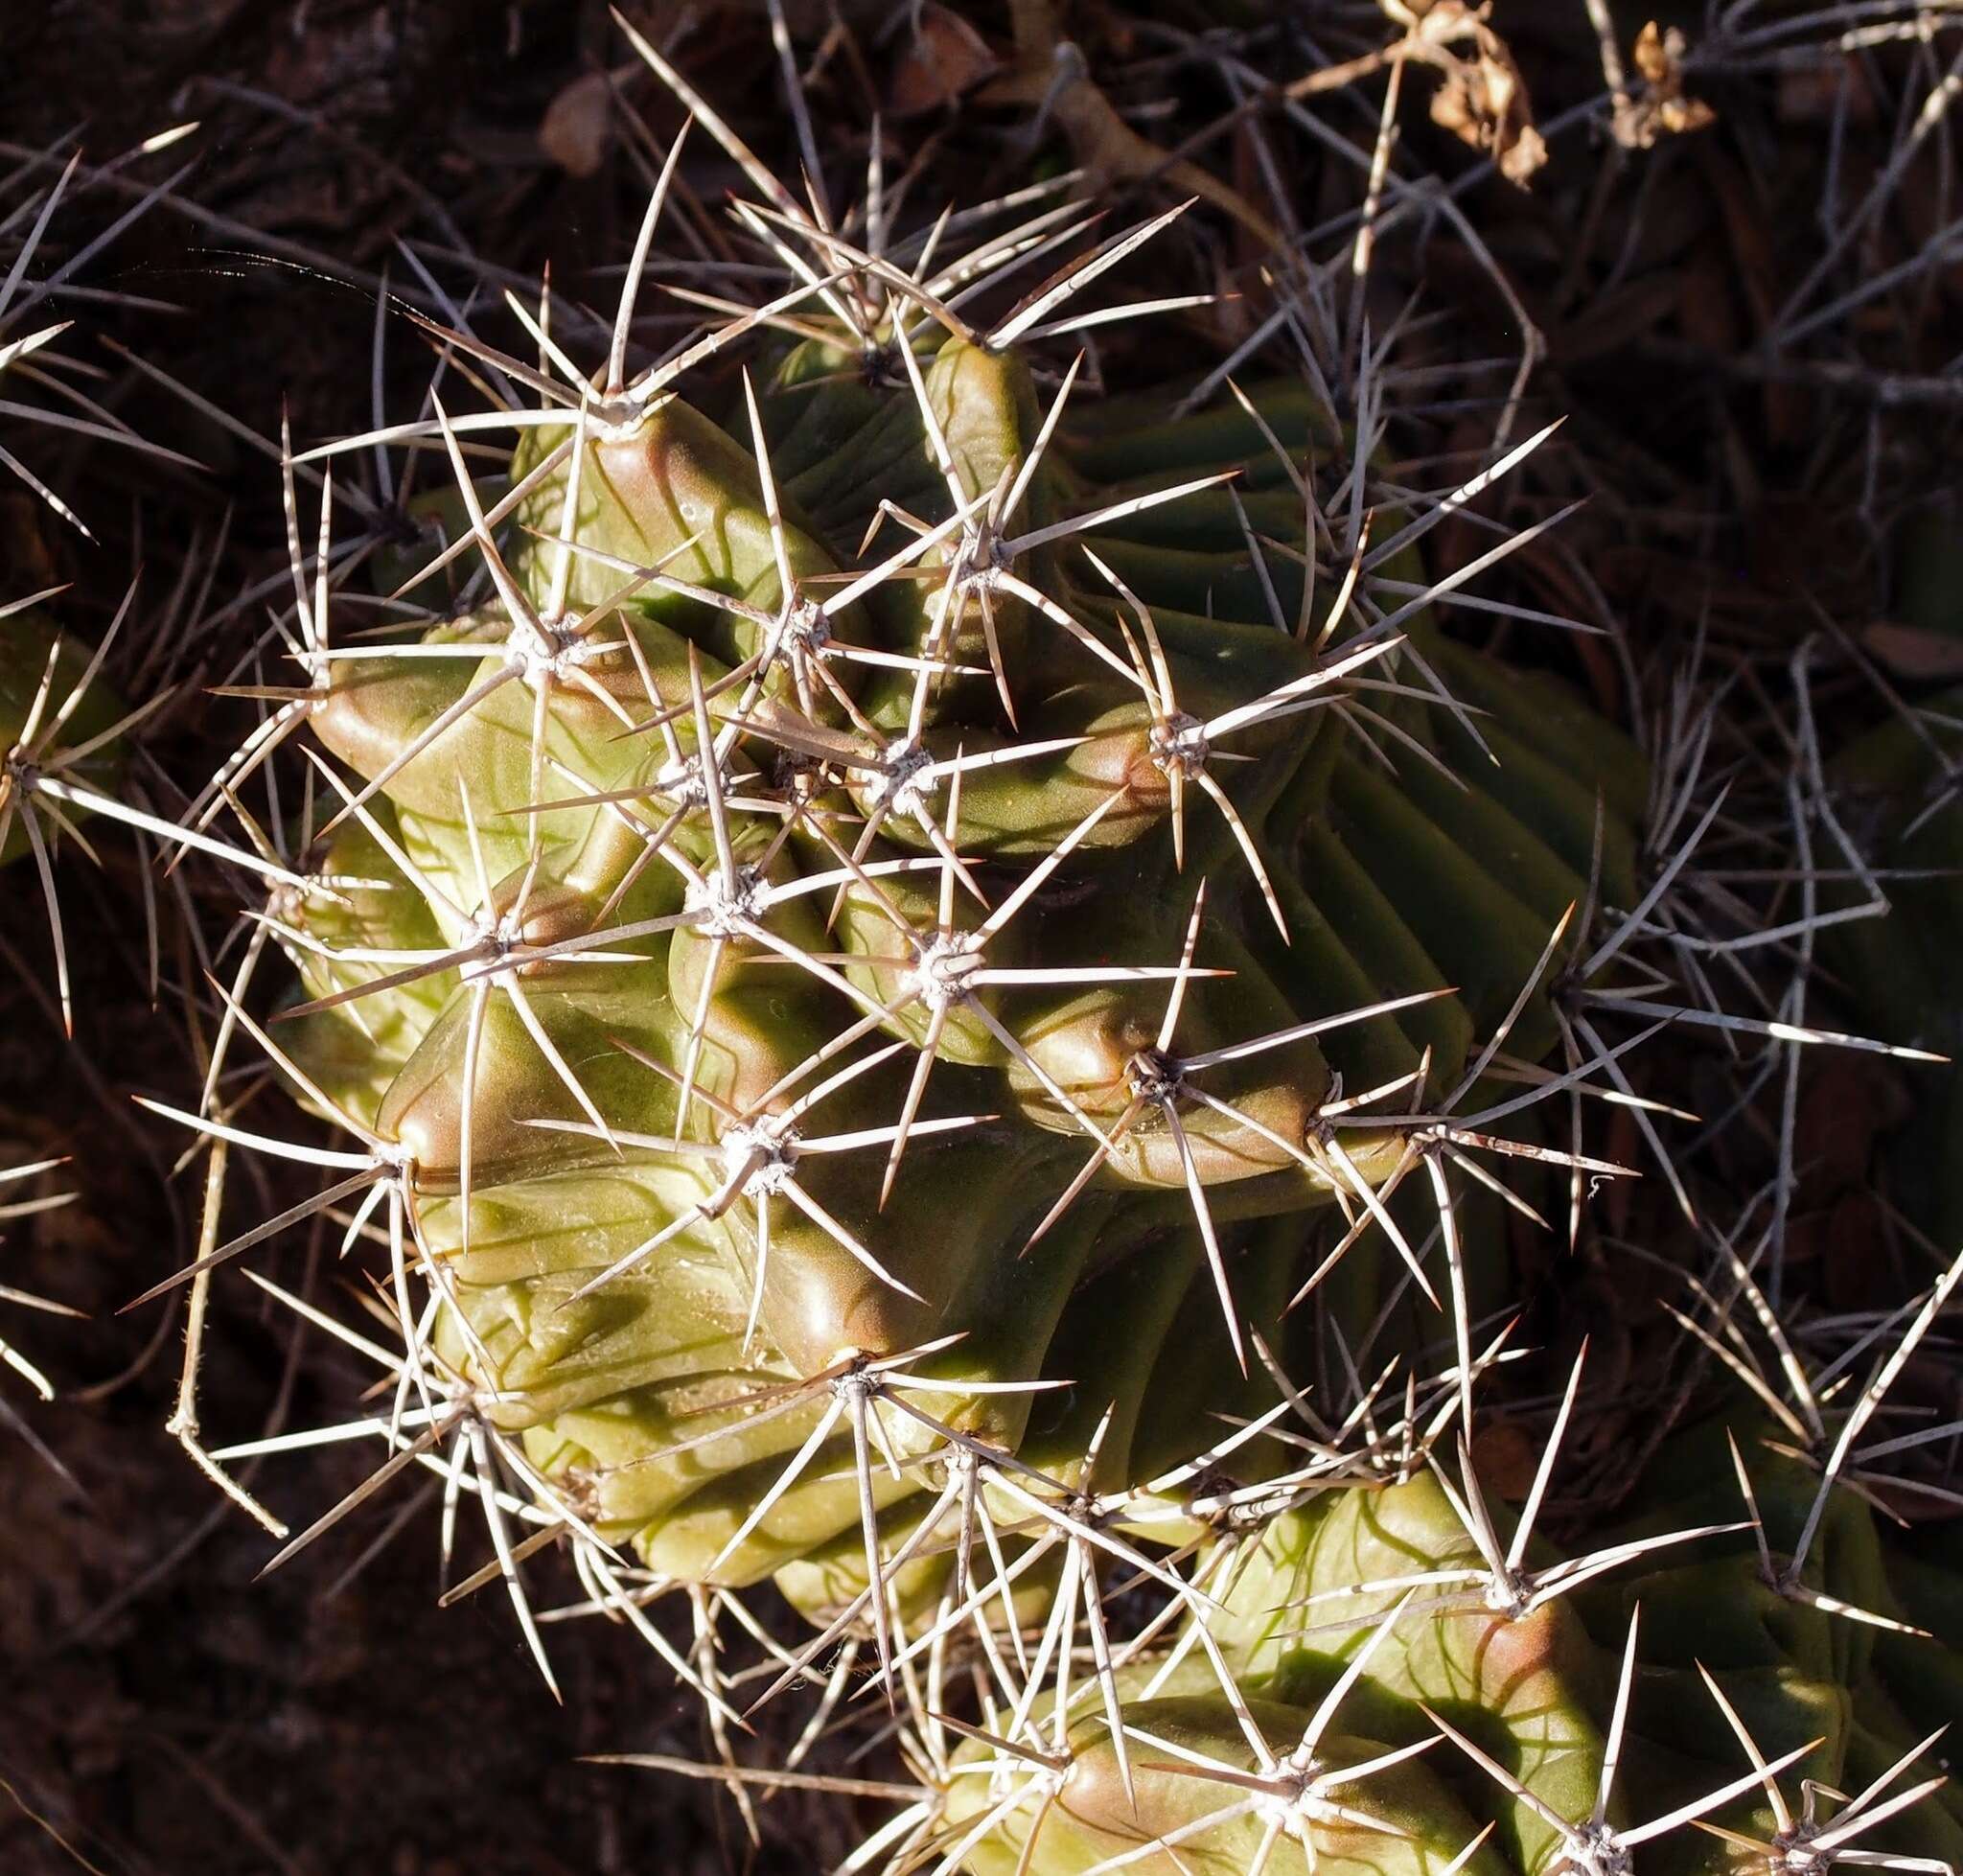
x=578, y=126
x=1615, y=319
x=1910, y=651
x=946, y=59
x=1847, y=1102
x=24, y=545
x=1481, y=99
x=1855, y=1272
x=1661, y=109
x=1505, y=1459
x=1814, y=93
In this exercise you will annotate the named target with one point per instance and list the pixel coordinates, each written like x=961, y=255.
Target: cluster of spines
x=64, y=732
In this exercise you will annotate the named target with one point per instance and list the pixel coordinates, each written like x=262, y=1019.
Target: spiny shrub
x=937, y=988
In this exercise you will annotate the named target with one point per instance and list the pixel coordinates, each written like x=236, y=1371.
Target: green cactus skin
x=1897, y=789
x=78, y=710
x=1535, y=1692
x=1451, y=876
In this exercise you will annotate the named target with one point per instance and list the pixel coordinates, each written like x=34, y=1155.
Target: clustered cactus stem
x=828, y=1104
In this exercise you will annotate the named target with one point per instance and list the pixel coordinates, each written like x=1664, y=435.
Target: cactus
x=62, y=728
x=64, y=737
x=1036, y=884
x=57, y=719
x=919, y=946
x=1363, y=1627
x=1897, y=786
